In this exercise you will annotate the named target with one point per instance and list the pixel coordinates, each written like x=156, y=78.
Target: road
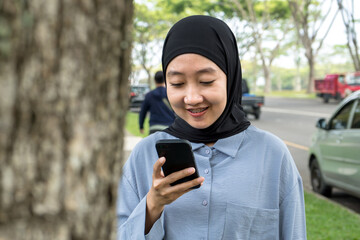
x=293, y=120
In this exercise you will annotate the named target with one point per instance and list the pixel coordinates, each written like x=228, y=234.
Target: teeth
x=197, y=110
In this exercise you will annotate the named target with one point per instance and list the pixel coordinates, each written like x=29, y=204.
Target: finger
x=157, y=167
x=179, y=175
x=187, y=186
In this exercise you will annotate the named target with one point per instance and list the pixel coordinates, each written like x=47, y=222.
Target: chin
x=200, y=126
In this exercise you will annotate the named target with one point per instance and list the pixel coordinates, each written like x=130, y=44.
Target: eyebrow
x=204, y=70
x=173, y=73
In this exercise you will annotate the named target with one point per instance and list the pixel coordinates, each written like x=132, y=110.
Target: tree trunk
x=297, y=79
x=354, y=56
x=310, y=87
x=267, y=76
x=297, y=84
x=63, y=78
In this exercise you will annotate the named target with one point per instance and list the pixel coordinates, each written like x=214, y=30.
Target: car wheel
x=326, y=98
x=317, y=182
x=257, y=113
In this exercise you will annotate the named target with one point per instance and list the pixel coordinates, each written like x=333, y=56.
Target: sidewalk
x=129, y=143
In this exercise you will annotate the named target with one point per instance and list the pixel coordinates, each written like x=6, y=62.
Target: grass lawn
x=324, y=220
x=287, y=94
x=132, y=124
x=329, y=221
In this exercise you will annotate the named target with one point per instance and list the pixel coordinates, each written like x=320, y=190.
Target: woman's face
x=196, y=88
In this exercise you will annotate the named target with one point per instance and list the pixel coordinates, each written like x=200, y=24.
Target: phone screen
x=178, y=155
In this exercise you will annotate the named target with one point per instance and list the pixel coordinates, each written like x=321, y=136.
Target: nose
x=193, y=97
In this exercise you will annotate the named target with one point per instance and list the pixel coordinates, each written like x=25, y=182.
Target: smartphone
x=178, y=155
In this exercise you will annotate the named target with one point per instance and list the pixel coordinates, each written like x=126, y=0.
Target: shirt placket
x=204, y=168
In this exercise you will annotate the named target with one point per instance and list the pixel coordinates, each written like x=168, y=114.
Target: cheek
x=223, y=101
x=220, y=96
x=174, y=97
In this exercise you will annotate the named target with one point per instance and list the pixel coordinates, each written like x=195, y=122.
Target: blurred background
x=73, y=75
x=283, y=45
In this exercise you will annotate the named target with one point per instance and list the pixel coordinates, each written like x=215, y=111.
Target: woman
x=250, y=189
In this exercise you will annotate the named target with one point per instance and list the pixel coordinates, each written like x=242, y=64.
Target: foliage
x=308, y=18
x=150, y=28
x=266, y=21
x=283, y=78
x=188, y=7
x=149, y=23
x=272, y=18
x=278, y=10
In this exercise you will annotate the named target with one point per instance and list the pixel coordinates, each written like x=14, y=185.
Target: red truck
x=337, y=86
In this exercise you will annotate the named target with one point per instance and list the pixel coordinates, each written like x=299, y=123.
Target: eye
x=207, y=82
x=176, y=84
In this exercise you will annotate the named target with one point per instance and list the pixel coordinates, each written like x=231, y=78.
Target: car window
x=139, y=89
x=353, y=79
x=356, y=119
x=341, y=79
x=341, y=119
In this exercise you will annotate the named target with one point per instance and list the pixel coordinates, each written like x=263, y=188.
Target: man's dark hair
x=159, y=77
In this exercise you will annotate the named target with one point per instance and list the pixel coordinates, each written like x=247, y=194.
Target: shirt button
x=206, y=171
x=204, y=203
x=207, y=151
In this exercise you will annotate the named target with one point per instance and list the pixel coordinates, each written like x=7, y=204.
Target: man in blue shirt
x=161, y=114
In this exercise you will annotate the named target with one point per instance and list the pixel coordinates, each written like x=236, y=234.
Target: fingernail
x=162, y=159
x=191, y=170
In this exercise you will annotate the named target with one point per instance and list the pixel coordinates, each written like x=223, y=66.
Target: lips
x=197, y=112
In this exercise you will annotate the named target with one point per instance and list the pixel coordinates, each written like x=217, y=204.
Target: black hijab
x=213, y=39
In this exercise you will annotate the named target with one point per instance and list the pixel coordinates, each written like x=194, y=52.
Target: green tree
x=267, y=22
x=309, y=19
x=261, y=21
x=150, y=27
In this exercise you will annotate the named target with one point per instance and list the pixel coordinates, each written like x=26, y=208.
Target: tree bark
x=267, y=76
x=311, y=85
x=63, y=88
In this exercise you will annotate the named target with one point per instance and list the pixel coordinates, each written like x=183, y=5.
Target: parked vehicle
x=250, y=102
x=337, y=86
x=137, y=95
x=334, y=156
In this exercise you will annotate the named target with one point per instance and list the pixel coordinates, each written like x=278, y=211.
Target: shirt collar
x=228, y=146
x=196, y=146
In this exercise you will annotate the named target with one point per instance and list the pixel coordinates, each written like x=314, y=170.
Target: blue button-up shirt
x=252, y=190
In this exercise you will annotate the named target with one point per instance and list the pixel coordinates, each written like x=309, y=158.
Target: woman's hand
x=162, y=193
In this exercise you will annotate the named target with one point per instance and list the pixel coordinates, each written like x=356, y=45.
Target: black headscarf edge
x=200, y=34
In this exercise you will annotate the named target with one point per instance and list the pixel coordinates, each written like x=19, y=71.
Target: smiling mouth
x=198, y=110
